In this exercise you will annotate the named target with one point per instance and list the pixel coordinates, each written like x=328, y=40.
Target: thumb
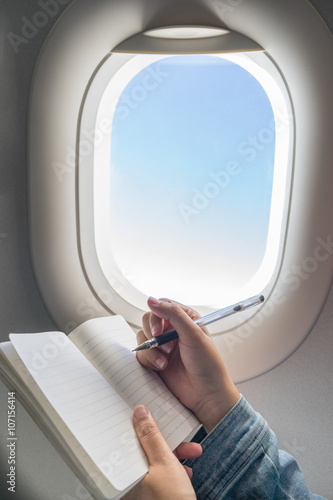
x=150, y=437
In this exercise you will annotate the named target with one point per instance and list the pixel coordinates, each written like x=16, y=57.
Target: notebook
x=81, y=390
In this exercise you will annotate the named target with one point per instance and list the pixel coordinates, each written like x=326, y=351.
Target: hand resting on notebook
x=166, y=478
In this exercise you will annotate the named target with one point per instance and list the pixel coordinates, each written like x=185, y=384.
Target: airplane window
x=192, y=160
x=194, y=179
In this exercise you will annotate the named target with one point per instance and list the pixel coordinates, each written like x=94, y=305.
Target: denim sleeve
x=241, y=461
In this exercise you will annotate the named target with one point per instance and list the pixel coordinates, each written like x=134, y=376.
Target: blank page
x=108, y=343
x=93, y=411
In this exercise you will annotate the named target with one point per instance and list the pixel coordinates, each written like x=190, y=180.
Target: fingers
x=151, y=439
x=154, y=359
x=157, y=358
x=177, y=315
x=166, y=314
x=187, y=451
x=154, y=326
x=190, y=312
x=153, y=323
x=188, y=471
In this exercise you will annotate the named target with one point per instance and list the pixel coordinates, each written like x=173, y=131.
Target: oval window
x=193, y=159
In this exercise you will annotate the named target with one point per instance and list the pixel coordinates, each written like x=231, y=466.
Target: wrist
x=213, y=409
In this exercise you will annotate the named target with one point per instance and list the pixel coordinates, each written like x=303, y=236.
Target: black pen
x=203, y=321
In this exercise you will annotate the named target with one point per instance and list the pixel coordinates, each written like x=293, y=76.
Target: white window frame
x=109, y=282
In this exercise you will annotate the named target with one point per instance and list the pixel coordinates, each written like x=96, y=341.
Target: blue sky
x=172, y=135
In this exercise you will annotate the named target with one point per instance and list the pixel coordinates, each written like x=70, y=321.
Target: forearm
x=241, y=459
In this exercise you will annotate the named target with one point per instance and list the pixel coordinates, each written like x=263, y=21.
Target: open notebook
x=82, y=389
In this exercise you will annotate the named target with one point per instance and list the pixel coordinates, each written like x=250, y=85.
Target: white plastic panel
x=75, y=49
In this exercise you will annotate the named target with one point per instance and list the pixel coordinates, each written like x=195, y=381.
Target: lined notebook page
x=108, y=343
x=53, y=426
x=93, y=411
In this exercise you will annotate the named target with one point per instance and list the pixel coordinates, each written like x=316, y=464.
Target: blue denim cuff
x=241, y=461
x=228, y=450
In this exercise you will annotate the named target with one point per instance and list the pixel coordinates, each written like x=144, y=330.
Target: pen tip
x=261, y=298
x=140, y=348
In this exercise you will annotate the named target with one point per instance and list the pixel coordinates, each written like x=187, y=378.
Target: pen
x=203, y=321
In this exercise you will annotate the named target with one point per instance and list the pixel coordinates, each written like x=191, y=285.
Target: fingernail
x=153, y=301
x=166, y=348
x=154, y=330
x=160, y=363
x=141, y=412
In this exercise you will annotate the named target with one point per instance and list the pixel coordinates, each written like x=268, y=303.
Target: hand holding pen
x=169, y=335
x=194, y=371
x=192, y=367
